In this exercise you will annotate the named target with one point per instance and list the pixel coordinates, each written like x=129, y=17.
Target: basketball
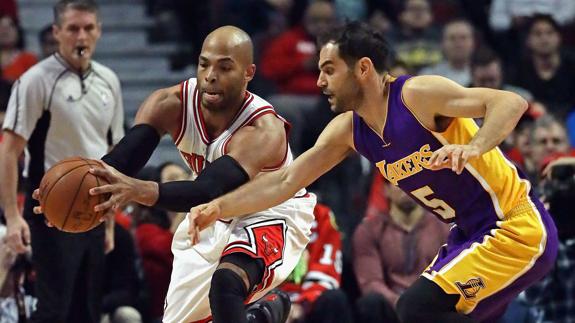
x=65, y=198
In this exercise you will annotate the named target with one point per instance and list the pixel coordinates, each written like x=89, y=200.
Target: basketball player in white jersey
x=227, y=136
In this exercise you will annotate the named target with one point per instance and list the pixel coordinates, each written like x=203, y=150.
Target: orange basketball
x=65, y=198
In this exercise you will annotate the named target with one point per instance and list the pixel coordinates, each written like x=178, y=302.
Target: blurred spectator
x=546, y=72
x=291, y=61
x=415, y=41
x=391, y=251
x=351, y=9
x=14, y=60
x=548, y=137
x=458, y=43
x=554, y=295
x=15, y=305
x=153, y=241
x=517, y=147
x=9, y=8
x=170, y=172
x=121, y=283
x=487, y=71
x=4, y=97
x=314, y=284
x=514, y=14
x=379, y=21
x=48, y=43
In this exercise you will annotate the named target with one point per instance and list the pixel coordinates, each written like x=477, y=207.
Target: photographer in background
x=554, y=295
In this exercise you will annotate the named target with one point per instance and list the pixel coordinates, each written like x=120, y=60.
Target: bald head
x=232, y=42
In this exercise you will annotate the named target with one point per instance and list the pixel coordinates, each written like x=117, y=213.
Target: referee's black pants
x=69, y=273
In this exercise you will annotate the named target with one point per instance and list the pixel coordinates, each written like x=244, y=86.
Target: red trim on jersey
x=248, y=98
x=252, y=117
x=198, y=118
x=183, y=116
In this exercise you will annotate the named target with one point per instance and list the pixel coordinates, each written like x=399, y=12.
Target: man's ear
x=250, y=72
x=363, y=66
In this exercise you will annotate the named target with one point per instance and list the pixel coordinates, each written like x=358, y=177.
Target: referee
x=66, y=105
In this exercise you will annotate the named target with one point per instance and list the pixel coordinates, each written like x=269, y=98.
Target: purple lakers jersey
x=488, y=188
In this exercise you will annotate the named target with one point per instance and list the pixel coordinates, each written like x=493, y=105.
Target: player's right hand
x=18, y=234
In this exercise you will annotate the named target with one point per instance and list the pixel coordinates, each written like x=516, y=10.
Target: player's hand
x=18, y=234
x=454, y=157
x=122, y=189
x=38, y=209
x=201, y=217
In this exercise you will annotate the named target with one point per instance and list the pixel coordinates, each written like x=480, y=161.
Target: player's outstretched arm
x=158, y=115
x=434, y=96
x=270, y=189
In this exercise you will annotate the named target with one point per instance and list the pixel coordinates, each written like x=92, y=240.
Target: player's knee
x=226, y=283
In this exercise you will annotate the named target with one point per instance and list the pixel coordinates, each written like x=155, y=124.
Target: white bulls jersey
x=277, y=235
x=193, y=141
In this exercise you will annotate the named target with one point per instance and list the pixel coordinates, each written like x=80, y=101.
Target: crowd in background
x=523, y=46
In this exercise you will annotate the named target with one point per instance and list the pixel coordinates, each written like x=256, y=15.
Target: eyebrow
x=325, y=63
x=220, y=60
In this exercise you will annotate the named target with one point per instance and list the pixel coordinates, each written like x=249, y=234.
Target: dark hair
x=483, y=57
x=82, y=5
x=356, y=40
x=543, y=18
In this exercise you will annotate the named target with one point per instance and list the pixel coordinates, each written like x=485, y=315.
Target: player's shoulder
x=256, y=101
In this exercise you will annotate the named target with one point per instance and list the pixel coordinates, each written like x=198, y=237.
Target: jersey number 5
x=439, y=206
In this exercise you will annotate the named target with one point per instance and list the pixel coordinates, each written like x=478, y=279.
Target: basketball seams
x=78, y=188
x=85, y=162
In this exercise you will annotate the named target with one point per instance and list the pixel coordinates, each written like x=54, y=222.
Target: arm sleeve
x=368, y=264
x=218, y=178
x=26, y=105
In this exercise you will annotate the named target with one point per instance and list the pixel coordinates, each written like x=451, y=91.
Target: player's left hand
x=454, y=157
x=122, y=189
x=201, y=217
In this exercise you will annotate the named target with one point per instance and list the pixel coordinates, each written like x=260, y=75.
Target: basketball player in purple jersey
x=419, y=132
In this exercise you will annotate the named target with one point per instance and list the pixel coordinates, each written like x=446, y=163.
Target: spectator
x=153, y=241
x=66, y=105
x=415, y=40
x=121, y=283
x=487, y=71
x=314, y=284
x=9, y=8
x=514, y=14
x=548, y=137
x=170, y=172
x=546, y=72
x=391, y=251
x=554, y=295
x=48, y=43
x=15, y=305
x=14, y=60
x=291, y=61
x=458, y=43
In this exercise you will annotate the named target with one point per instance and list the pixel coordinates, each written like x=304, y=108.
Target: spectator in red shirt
x=391, y=250
x=314, y=284
x=290, y=60
x=15, y=61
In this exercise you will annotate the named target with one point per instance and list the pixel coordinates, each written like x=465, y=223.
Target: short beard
x=353, y=96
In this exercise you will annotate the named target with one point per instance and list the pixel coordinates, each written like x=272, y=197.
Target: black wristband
x=134, y=150
x=218, y=178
